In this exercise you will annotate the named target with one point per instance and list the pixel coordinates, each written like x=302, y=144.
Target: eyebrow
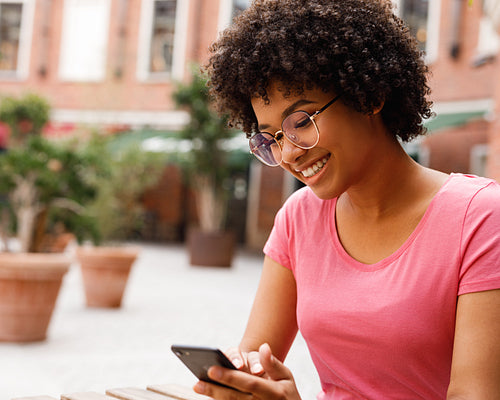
x=287, y=111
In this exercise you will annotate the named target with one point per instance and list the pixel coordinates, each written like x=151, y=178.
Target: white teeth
x=315, y=168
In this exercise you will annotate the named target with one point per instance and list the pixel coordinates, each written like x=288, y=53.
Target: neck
x=394, y=180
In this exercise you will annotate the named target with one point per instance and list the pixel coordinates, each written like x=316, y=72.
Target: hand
x=245, y=361
x=277, y=382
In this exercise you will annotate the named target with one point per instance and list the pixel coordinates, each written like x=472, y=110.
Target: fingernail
x=237, y=362
x=200, y=387
x=257, y=368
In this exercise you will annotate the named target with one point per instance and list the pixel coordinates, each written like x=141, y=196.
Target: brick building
x=492, y=9
x=463, y=74
x=113, y=63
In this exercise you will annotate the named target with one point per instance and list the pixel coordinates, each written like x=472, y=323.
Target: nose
x=290, y=152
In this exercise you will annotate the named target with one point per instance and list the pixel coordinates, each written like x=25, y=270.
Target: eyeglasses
x=299, y=128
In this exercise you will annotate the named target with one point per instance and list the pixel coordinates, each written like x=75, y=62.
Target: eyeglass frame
x=311, y=117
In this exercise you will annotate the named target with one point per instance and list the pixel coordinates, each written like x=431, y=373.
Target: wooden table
x=153, y=392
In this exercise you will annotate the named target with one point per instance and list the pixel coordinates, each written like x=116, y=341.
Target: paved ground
x=167, y=301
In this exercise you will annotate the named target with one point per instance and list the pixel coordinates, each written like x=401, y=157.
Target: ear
x=378, y=108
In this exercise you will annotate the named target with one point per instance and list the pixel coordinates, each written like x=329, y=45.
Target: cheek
x=350, y=135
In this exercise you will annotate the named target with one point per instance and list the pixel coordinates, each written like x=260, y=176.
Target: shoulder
x=467, y=214
x=472, y=185
x=482, y=194
x=463, y=193
x=473, y=200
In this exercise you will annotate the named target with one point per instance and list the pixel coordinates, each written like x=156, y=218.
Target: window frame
x=25, y=36
x=144, y=45
x=433, y=25
x=225, y=14
x=488, y=41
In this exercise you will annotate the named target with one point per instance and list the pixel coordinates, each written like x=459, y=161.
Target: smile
x=315, y=168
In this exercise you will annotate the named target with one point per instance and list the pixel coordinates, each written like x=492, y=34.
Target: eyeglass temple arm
x=326, y=106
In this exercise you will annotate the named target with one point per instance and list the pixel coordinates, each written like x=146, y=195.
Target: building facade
x=114, y=64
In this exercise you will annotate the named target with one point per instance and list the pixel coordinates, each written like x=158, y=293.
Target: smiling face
x=349, y=142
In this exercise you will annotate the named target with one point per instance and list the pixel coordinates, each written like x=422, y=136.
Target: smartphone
x=199, y=359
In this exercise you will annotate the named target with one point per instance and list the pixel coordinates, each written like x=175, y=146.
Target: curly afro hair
x=355, y=47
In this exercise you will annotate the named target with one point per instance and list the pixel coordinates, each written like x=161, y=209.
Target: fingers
x=276, y=383
x=273, y=367
x=248, y=386
x=231, y=378
x=236, y=357
x=253, y=359
x=239, y=384
x=245, y=361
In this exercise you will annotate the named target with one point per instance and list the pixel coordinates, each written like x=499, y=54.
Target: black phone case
x=200, y=359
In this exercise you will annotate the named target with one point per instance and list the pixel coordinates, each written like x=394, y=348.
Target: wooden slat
x=85, y=396
x=177, y=392
x=35, y=398
x=136, y=394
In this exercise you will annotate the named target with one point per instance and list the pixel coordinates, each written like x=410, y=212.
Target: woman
x=390, y=270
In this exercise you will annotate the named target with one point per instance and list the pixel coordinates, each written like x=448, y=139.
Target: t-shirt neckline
x=396, y=254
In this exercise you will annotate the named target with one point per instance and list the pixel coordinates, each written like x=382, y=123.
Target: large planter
x=214, y=249
x=29, y=286
x=105, y=272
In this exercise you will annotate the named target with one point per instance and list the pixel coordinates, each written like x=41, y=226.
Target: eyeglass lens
x=299, y=129
x=265, y=148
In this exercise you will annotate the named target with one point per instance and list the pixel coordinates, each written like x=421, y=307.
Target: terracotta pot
x=29, y=286
x=105, y=272
x=56, y=243
x=215, y=249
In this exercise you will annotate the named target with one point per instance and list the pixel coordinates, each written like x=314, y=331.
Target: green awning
x=449, y=120
x=124, y=140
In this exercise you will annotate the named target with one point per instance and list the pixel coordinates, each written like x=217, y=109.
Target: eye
x=302, y=122
x=261, y=140
x=265, y=141
x=297, y=121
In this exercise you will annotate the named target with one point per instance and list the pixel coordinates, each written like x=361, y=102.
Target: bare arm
x=273, y=316
x=271, y=329
x=475, y=370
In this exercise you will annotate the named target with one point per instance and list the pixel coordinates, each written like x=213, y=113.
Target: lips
x=315, y=168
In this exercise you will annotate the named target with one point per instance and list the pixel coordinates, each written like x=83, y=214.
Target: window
x=415, y=13
x=162, y=41
x=16, y=23
x=10, y=29
x=229, y=9
x=83, y=50
x=479, y=159
x=488, y=42
x=239, y=6
x=422, y=18
x=162, y=36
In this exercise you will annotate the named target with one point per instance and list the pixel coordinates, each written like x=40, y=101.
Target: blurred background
x=112, y=66
x=99, y=111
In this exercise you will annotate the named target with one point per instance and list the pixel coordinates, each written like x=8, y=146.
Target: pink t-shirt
x=385, y=331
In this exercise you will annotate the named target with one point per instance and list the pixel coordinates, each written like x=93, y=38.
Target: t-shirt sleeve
x=277, y=245
x=480, y=244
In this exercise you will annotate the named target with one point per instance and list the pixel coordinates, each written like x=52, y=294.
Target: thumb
x=274, y=368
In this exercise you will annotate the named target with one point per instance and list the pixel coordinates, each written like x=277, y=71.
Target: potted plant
x=25, y=116
x=37, y=177
x=105, y=273
x=208, y=171
x=118, y=211
x=41, y=182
